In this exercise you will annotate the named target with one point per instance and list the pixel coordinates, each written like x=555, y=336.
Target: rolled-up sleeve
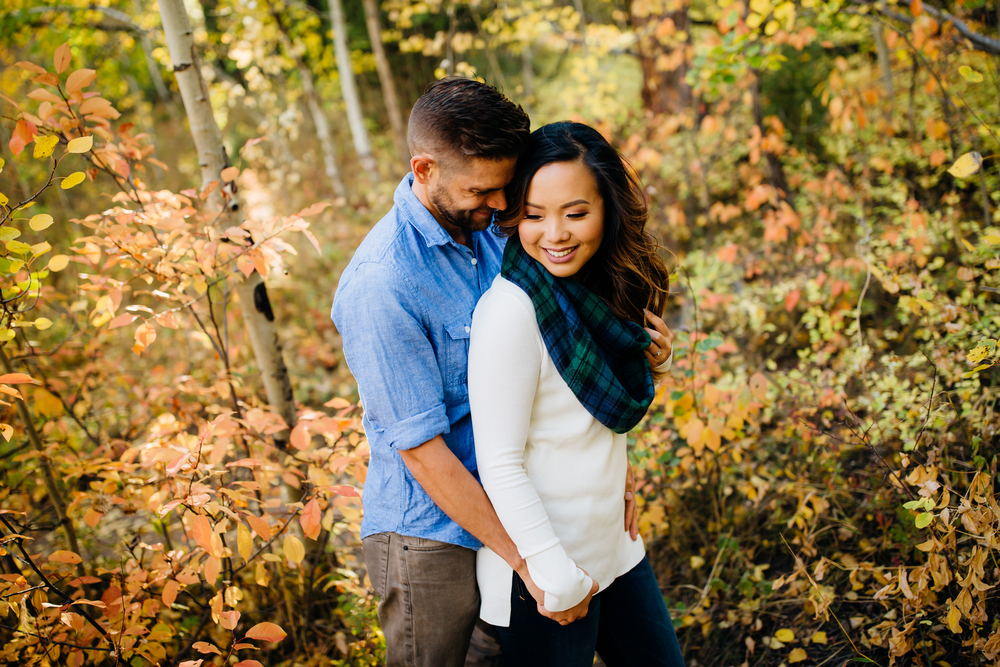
x=388, y=351
x=504, y=364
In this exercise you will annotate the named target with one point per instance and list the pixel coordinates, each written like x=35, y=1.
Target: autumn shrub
x=149, y=511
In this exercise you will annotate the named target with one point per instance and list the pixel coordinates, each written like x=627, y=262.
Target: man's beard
x=460, y=218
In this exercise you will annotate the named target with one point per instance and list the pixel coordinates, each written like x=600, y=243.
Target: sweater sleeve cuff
x=564, y=583
x=665, y=366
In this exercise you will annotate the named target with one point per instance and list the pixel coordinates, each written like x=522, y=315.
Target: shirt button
x=475, y=261
x=468, y=329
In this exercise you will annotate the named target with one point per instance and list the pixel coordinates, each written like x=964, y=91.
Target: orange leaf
x=16, y=378
x=42, y=95
x=268, y=632
x=205, y=647
x=758, y=386
x=65, y=557
x=94, y=104
x=201, y=531
x=792, y=299
x=62, y=57
x=81, y=78
x=248, y=663
x=169, y=594
x=229, y=619
x=259, y=525
x=31, y=67
x=314, y=209
x=122, y=320
x=230, y=173
x=300, y=436
x=310, y=519
x=213, y=566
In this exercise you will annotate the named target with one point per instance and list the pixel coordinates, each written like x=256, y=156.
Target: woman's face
x=563, y=218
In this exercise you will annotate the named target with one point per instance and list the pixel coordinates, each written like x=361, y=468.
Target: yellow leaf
x=2, y=163
x=294, y=551
x=992, y=239
x=80, y=144
x=40, y=248
x=73, y=179
x=819, y=638
x=244, y=541
x=971, y=75
x=260, y=572
x=40, y=221
x=797, y=655
x=697, y=562
x=3, y=199
x=784, y=635
x=45, y=145
x=954, y=618
x=43, y=323
x=7, y=431
x=58, y=263
x=966, y=165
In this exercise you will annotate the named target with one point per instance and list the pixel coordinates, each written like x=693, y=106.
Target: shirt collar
x=425, y=223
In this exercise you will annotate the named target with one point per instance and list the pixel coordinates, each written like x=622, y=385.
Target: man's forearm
x=453, y=488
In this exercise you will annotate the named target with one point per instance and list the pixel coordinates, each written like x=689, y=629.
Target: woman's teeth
x=560, y=253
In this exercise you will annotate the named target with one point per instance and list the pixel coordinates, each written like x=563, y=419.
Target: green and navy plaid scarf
x=598, y=355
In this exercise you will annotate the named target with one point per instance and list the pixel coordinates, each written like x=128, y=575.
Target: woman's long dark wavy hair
x=626, y=270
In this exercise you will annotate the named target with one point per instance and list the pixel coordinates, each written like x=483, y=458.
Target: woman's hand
x=573, y=613
x=663, y=340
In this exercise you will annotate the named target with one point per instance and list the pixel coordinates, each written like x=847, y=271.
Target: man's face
x=466, y=192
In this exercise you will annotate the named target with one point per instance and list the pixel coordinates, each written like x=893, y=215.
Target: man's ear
x=423, y=167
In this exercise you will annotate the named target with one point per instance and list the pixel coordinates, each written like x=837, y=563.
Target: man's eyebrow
x=484, y=191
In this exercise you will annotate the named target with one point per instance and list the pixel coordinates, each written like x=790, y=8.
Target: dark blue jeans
x=627, y=624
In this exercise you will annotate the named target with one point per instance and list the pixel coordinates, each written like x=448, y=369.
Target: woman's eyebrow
x=567, y=205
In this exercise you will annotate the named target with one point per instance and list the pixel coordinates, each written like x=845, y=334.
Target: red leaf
x=268, y=632
x=792, y=299
x=310, y=519
x=24, y=133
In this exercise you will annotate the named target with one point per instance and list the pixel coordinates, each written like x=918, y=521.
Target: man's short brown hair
x=465, y=118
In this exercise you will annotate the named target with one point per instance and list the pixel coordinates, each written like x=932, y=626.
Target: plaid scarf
x=598, y=355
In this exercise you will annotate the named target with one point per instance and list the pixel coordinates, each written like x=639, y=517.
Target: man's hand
x=572, y=614
x=631, y=508
x=663, y=340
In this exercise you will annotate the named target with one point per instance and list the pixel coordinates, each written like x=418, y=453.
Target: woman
x=559, y=371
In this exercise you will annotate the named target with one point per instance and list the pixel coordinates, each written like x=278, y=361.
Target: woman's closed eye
x=577, y=215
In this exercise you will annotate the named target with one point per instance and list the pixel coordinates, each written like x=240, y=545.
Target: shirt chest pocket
x=455, y=353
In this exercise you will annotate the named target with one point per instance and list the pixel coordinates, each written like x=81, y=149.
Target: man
x=404, y=308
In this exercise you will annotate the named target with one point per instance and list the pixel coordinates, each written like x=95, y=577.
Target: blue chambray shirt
x=404, y=308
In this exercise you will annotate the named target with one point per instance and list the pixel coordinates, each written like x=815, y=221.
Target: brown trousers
x=430, y=601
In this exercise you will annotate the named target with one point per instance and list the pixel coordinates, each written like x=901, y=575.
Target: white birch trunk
x=255, y=306
x=355, y=119
x=386, y=80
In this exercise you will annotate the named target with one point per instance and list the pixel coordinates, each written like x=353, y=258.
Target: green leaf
x=8, y=234
x=923, y=520
x=18, y=248
x=971, y=75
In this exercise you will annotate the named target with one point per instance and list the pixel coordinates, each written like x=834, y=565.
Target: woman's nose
x=555, y=230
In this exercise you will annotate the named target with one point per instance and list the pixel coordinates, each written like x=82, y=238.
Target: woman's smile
x=563, y=255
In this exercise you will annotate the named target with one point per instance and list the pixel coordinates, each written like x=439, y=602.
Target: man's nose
x=497, y=201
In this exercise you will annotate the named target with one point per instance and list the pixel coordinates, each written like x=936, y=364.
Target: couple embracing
x=502, y=322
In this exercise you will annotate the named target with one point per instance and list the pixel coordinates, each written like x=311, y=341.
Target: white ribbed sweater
x=555, y=475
